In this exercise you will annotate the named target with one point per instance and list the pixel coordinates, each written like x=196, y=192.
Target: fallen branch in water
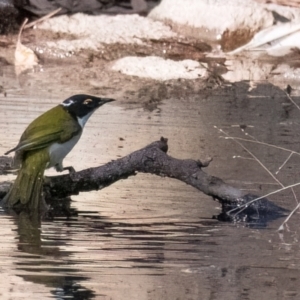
x=154, y=159
x=151, y=159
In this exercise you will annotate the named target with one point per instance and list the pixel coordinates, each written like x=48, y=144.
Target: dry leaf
x=24, y=56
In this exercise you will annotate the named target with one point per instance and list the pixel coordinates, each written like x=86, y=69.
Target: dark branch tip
x=164, y=142
x=205, y=163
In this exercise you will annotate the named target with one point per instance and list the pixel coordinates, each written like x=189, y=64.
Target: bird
x=44, y=144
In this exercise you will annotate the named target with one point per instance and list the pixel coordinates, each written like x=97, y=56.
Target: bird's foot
x=70, y=169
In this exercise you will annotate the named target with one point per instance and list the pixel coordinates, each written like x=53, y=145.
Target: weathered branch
x=155, y=160
x=151, y=159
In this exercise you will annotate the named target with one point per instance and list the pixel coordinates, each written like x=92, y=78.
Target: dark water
x=149, y=237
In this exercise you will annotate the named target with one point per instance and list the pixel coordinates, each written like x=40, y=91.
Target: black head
x=83, y=105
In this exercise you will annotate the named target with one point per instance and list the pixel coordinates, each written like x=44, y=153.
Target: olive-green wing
x=32, y=143
x=55, y=125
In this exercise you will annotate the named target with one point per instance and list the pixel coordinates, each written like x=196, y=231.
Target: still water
x=149, y=237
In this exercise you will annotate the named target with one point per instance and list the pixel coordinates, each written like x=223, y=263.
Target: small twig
x=288, y=92
x=269, y=145
x=257, y=160
x=261, y=143
x=243, y=157
x=20, y=31
x=295, y=196
x=284, y=163
x=249, y=135
x=46, y=17
x=244, y=206
x=280, y=228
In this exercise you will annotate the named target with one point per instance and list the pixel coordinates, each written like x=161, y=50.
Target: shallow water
x=149, y=237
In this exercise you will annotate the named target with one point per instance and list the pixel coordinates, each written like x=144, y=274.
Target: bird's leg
x=59, y=168
x=70, y=169
x=72, y=172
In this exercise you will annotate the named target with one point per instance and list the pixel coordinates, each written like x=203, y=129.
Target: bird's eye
x=87, y=101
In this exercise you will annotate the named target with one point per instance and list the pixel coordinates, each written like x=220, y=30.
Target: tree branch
x=155, y=160
x=151, y=159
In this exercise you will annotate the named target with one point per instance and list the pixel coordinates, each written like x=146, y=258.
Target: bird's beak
x=106, y=100
x=102, y=101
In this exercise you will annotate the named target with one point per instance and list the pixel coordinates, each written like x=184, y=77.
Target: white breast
x=58, y=151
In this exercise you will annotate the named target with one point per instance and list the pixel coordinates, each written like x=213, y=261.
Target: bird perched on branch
x=45, y=143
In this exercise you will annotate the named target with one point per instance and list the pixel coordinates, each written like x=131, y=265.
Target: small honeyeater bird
x=45, y=143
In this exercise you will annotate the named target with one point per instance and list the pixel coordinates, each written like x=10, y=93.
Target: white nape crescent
x=67, y=103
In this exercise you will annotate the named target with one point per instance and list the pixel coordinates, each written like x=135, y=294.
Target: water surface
x=149, y=237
